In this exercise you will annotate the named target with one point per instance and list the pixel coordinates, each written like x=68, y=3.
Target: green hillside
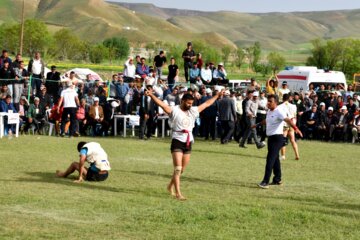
x=95, y=20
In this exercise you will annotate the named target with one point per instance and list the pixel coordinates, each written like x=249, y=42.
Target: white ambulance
x=299, y=78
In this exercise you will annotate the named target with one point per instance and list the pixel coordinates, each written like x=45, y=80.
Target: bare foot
x=180, y=198
x=171, y=190
x=59, y=174
x=297, y=158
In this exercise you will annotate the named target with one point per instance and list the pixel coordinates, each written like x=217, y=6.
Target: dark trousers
x=275, y=143
x=187, y=66
x=227, y=130
x=72, y=113
x=261, y=129
x=250, y=132
x=36, y=83
x=209, y=126
x=146, y=127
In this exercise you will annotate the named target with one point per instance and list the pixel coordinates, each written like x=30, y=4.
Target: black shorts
x=95, y=176
x=178, y=146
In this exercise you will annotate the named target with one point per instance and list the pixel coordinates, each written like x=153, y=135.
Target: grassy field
x=319, y=198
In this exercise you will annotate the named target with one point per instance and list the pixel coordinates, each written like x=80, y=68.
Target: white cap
x=322, y=104
x=256, y=94
x=221, y=64
x=208, y=90
x=227, y=92
x=343, y=108
x=137, y=76
x=96, y=99
x=330, y=109
x=36, y=99
x=114, y=104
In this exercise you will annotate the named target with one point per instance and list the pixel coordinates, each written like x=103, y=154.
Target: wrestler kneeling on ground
x=182, y=118
x=94, y=154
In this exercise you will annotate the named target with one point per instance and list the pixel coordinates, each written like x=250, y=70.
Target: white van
x=299, y=78
x=239, y=84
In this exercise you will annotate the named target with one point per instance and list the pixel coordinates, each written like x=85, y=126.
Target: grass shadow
x=49, y=177
x=194, y=179
x=227, y=153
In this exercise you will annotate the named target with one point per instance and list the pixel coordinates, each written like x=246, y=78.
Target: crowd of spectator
x=87, y=107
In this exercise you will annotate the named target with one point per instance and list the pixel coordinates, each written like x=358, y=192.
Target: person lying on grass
x=94, y=154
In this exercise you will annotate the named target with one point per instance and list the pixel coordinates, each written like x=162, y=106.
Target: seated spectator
x=356, y=128
x=81, y=117
x=206, y=74
x=96, y=88
x=344, y=123
x=351, y=106
x=194, y=74
x=22, y=108
x=96, y=116
x=310, y=122
x=4, y=91
x=220, y=76
x=36, y=116
x=45, y=98
x=89, y=98
x=7, y=106
x=327, y=125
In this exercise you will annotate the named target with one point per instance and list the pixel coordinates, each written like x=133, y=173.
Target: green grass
x=319, y=200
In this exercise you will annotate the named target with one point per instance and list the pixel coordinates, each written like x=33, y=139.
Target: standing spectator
x=199, y=60
x=122, y=90
x=188, y=56
x=173, y=75
x=129, y=70
x=147, y=114
x=208, y=116
x=142, y=69
x=8, y=76
x=227, y=116
x=251, y=112
x=16, y=63
x=5, y=58
x=351, y=106
x=275, y=119
x=52, y=84
x=254, y=85
x=159, y=63
x=88, y=84
x=70, y=100
x=36, y=68
x=238, y=132
x=283, y=90
x=114, y=81
x=220, y=75
x=22, y=75
x=271, y=86
x=261, y=115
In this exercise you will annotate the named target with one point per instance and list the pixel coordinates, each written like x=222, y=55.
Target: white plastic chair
x=50, y=124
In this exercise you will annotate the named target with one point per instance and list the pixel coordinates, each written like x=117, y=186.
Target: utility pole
x=22, y=28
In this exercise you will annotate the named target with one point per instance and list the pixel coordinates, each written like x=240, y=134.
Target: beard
x=186, y=108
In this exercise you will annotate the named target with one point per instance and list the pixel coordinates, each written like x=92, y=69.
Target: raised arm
x=210, y=102
x=160, y=103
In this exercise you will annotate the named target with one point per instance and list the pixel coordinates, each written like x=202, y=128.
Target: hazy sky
x=254, y=5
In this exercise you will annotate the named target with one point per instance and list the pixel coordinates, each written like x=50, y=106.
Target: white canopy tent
x=81, y=73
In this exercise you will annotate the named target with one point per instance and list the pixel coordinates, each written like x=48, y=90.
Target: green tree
x=226, y=50
x=67, y=44
x=98, y=53
x=253, y=54
x=319, y=54
x=275, y=61
x=117, y=48
x=9, y=37
x=240, y=57
x=36, y=37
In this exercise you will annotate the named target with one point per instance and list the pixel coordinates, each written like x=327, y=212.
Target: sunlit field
x=319, y=198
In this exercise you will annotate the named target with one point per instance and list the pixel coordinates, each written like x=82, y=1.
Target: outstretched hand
x=299, y=132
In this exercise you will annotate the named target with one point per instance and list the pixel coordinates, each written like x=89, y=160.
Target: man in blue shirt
x=5, y=106
x=121, y=90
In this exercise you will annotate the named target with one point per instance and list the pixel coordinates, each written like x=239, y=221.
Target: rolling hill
x=95, y=20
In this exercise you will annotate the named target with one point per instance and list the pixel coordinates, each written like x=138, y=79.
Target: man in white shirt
x=36, y=68
x=206, y=74
x=182, y=118
x=70, y=99
x=129, y=70
x=96, y=156
x=275, y=119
